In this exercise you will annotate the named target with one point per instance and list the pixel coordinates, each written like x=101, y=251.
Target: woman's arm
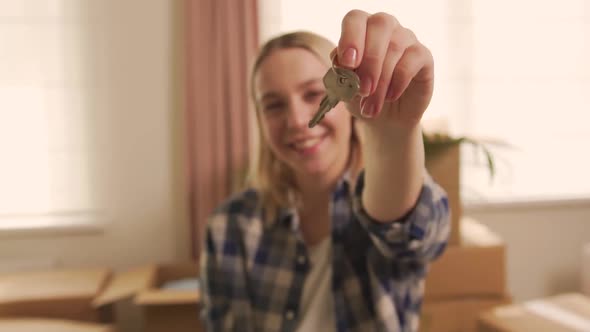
x=397, y=77
x=405, y=212
x=394, y=170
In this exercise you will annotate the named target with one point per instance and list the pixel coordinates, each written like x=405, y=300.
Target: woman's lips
x=307, y=146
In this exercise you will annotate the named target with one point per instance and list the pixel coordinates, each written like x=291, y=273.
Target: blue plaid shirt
x=253, y=270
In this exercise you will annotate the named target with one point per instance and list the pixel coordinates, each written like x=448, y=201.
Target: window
x=512, y=71
x=531, y=87
x=44, y=166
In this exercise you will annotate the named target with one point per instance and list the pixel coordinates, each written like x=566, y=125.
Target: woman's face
x=288, y=89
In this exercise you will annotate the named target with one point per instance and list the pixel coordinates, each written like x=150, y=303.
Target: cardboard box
x=443, y=164
x=156, y=310
x=64, y=294
x=457, y=315
x=476, y=267
x=562, y=313
x=50, y=325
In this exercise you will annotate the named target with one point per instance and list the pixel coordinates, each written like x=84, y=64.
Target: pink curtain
x=221, y=40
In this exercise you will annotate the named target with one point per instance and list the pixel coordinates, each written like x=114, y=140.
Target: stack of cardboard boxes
x=97, y=300
x=466, y=287
x=560, y=313
x=470, y=277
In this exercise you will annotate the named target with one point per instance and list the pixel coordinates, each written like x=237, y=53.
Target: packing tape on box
x=557, y=314
x=586, y=269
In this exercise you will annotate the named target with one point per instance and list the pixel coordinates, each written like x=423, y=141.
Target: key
x=341, y=85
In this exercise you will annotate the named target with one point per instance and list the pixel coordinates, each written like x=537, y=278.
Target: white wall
x=544, y=244
x=136, y=148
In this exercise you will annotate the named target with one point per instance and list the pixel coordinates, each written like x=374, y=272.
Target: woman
x=326, y=238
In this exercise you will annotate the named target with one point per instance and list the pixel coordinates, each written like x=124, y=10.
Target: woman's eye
x=312, y=96
x=273, y=107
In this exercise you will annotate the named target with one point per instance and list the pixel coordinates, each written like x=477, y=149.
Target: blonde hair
x=274, y=180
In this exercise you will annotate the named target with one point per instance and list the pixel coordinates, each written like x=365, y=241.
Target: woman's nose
x=299, y=115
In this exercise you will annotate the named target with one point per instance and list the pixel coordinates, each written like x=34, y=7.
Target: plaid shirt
x=253, y=270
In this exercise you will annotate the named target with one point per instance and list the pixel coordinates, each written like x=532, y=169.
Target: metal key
x=341, y=85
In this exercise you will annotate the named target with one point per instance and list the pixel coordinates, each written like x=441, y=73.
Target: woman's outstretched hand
x=395, y=69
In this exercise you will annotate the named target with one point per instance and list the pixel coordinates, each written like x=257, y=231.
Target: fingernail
x=368, y=110
x=348, y=58
x=363, y=102
x=366, y=86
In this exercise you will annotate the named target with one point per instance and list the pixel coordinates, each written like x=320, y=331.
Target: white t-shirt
x=317, y=302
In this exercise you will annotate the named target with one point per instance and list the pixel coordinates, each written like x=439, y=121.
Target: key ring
x=341, y=78
x=333, y=59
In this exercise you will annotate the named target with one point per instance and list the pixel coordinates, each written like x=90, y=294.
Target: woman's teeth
x=307, y=143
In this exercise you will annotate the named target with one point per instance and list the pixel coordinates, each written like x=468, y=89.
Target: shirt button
x=301, y=259
x=393, y=234
x=290, y=314
x=414, y=244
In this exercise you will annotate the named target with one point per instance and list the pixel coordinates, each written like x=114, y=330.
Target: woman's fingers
x=352, y=39
x=416, y=65
x=378, y=36
x=400, y=40
x=388, y=59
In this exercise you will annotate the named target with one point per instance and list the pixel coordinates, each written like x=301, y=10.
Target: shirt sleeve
x=422, y=234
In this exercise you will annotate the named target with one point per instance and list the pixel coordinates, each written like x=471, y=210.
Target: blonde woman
x=341, y=220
